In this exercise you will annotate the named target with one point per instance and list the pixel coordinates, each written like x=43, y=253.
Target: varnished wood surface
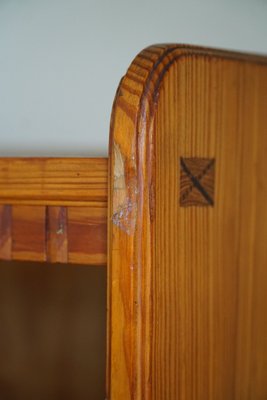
x=57, y=234
x=54, y=181
x=188, y=284
x=53, y=234
x=53, y=209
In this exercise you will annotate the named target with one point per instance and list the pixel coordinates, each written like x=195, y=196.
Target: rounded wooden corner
x=163, y=167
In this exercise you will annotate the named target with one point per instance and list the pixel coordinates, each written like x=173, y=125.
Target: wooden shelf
x=53, y=209
x=181, y=201
x=54, y=181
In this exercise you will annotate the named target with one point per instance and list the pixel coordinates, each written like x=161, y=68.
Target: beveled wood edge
x=131, y=214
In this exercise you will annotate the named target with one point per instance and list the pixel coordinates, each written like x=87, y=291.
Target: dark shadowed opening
x=52, y=331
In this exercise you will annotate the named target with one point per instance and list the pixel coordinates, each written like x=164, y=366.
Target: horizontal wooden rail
x=54, y=181
x=53, y=209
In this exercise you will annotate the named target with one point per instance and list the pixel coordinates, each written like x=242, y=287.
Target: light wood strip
x=53, y=181
x=57, y=234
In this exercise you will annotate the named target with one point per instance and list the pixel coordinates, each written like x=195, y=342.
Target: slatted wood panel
x=54, y=234
x=53, y=210
x=188, y=280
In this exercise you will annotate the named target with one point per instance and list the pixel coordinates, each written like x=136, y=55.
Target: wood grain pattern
x=53, y=209
x=5, y=232
x=53, y=181
x=197, y=181
x=57, y=234
x=187, y=285
x=87, y=235
x=28, y=233
x=54, y=234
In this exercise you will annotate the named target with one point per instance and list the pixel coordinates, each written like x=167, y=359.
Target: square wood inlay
x=197, y=177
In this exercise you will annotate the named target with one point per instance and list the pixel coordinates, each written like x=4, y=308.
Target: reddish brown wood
x=57, y=235
x=5, y=232
x=28, y=233
x=54, y=234
x=57, y=209
x=87, y=235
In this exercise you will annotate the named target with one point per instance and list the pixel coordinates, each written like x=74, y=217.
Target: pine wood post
x=188, y=227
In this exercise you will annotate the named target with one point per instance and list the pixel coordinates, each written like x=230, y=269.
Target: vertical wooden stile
x=188, y=227
x=57, y=235
x=5, y=232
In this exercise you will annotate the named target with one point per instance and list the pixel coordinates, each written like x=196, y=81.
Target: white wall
x=61, y=61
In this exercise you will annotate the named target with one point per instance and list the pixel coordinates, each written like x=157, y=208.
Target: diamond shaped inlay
x=197, y=181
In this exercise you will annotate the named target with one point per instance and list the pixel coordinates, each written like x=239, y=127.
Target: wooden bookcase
x=177, y=213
